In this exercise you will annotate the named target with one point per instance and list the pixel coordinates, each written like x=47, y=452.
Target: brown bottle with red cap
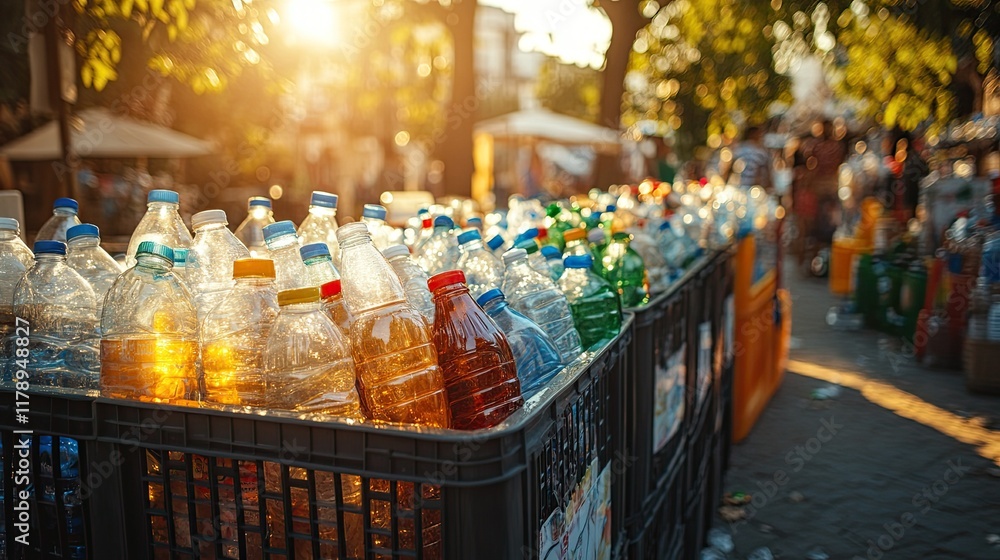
x=479, y=372
x=333, y=303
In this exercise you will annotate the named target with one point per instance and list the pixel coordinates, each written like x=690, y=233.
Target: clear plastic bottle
x=307, y=361
x=597, y=311
x=320, y=226
x=180, y=266
x=426, y=227
x=536, y=356
x=64, y=216
x=85, y=255
x=440, y=251
x=209, y=268
x=251, y=230
x=495, y=244
x=538, y=298
x=398, y=374
x=478, y=365
x=61, y=310
x=624, y=269
x=373, y=216
x=334, y=304
x=233, y=336
x=529, y=234
x=476, y=223
x=319, y=264
x=598, y=242
x=535, y=258
x=283, y=249
x=554, y=259
x=414, y=280
x=657, y=271
x=483, y=270
x=10, y=241
x=12, y=269
x=149, y=347
x=161, y=224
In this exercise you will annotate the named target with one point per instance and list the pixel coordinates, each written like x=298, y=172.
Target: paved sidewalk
x=892, y=467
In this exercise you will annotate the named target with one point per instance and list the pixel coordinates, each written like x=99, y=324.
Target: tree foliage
x=569, y=89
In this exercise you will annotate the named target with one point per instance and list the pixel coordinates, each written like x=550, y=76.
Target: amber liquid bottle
x=479, y=371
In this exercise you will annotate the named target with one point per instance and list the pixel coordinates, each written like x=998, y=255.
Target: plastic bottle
x=576, y=243
x=64, y=216
x=554, y=259
x=320, y=226
x=476, y=223
x=414, y=280
x=209, y=268
x=624, y=269
x=598, y=243
x=85, y=255
x=161, y=224
x=426, y=227
x=373, y=216
x=283, y=248
x=657, y=271
x=10, y=241
x=478, y=365
x=535, y=355
x=440, y=251
x=483, y=270
x=495, y=244
x=538, y=298
x=398, y=374
x=558, y=225
x=233, y=336
x=529, y=234
x=319, y=264
x=535, y=257
x=334, y=304
x=11, y=272
x=251, y=231
x=596, y=309
x=180, y=266
x=307, y=361
x=61, y=310
x=149, y=347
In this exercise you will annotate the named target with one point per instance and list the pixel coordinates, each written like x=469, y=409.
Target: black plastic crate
x=200, y=483
x=701, y=442
x=661, y=535
x=695, y=523
x=655, y=399
x=47, y=466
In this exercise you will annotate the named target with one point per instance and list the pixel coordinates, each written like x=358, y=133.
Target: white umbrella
x=99, y=133
x=542, y=124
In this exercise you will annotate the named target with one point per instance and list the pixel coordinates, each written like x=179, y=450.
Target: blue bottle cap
x=82, y=230
x=67, y=203
x=550, y=252
x=277, y=229
x=610, y=208
x=374, y=211
x=578, y=261
x=50, y=247
x=324, y=199
x=495, y=242
x=444, y=221
x=474, y=220
x=489, y=296
x=162, y=195
x=530, y=233
x=153, y=248
x=469, y=236
x=259, y=201
x=180, y=257
x=314, y=250
x=666, y=225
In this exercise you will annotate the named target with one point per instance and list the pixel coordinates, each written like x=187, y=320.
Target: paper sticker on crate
x=668, y=404
x=579, y=530
x=704, y=362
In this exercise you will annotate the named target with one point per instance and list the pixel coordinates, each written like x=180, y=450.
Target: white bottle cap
x=208, y=217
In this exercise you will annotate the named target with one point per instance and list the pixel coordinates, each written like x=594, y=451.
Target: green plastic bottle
x=623, y=268
x=596, y=308
x=557, y=225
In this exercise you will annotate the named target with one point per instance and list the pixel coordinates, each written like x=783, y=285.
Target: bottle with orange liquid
x=397, y=366
x=478, y=365
x=333, y=302
x=149, y=343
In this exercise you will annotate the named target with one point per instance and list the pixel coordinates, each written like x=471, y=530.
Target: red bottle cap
x=445, y=278
x=331, y=288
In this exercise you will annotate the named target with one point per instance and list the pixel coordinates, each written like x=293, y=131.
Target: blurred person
x=751, y=161
x=816, y=203
x=900, y=190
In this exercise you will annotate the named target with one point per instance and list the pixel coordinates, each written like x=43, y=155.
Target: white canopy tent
x=99, y=133
x=544, y=125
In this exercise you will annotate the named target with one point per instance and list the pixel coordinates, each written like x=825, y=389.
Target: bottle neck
x=7, y=235
x=357, y=240
x=153, y=263
x=63, y=212
x=473, y=246
x=162, y=206
x=210, y=228
x=281, y=242
x=260, y=212
x=323, y=211
x=317, y=260
x=451, y=291
x=495, y=305
x=49, y=258
x=255, y=281
x=301, y=308
x=83, y=242
x=580, y=273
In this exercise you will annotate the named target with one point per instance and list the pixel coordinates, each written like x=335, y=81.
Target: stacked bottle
x=483, y=270
x=251, y=230
x=85, y=255
x=64, y=216
x=320, y=226
x=160, y=224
